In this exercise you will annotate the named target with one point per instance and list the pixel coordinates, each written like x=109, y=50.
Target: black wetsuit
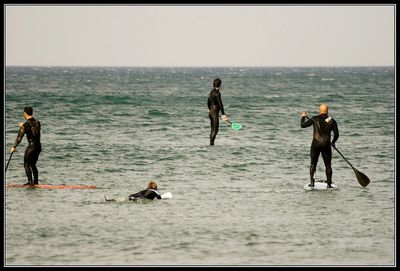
x=145, y=194
x=214, y=104
x=31, y=128
x=323, y=126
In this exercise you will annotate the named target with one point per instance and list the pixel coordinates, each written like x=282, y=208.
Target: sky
x=199, y=36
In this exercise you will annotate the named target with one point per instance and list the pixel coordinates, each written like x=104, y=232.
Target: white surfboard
x=166, y=195
x=320, y=186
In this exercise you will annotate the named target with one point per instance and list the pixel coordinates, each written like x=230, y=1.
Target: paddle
x=234, y=125
x=361, y=177
x=9, y=159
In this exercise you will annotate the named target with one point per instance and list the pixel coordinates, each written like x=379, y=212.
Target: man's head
x=217, y=83
x=152, y=185
x=323, y=109
x=28, y=111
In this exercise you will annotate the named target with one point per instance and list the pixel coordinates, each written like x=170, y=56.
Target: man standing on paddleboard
x=214, y=104
x=323, y=125
x=31, y=128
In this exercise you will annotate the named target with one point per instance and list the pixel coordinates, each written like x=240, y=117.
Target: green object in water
x=236, y=126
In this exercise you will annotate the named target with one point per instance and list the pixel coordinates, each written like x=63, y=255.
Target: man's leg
x=27, y=166
x=34, y=159
x=214, y=128
x=314, y=153
x=327, y=156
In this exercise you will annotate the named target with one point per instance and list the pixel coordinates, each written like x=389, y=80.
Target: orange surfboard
x=50, y=186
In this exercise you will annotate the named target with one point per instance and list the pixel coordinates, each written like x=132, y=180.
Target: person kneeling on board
x=149, y=193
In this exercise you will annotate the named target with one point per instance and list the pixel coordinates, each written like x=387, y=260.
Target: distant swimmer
x=323, y=125
x=149, y=193
x=215, y=105
x=31, y=128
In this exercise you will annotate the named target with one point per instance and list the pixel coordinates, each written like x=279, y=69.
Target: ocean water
x=240, y=202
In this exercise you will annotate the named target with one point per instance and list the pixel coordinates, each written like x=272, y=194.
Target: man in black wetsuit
x=323, y=126
x=31, y=128
x=214, y=104
x=149, y=193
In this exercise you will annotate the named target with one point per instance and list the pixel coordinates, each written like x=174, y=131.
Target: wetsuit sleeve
x=219, y=101
x=20, y=135
x=335, y=133
x=209, y=103
x=153, y=194
x=39, y=126
x=135, y=195
x=304, y=123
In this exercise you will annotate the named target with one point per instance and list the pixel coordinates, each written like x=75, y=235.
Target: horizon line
x=194, y=66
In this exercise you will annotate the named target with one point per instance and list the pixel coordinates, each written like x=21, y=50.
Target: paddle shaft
x=361, y=177
x=344, y=158
x=9, y=159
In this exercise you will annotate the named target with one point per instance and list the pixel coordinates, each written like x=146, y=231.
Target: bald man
x=323, y=125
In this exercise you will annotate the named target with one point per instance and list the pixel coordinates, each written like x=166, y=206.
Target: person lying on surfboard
x=149, y=193
x=323, y=125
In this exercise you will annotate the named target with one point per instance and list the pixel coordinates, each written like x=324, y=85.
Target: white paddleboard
x=320, y=186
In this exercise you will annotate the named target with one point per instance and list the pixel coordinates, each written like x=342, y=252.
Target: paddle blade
x=362, y=178
x=236, y=126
